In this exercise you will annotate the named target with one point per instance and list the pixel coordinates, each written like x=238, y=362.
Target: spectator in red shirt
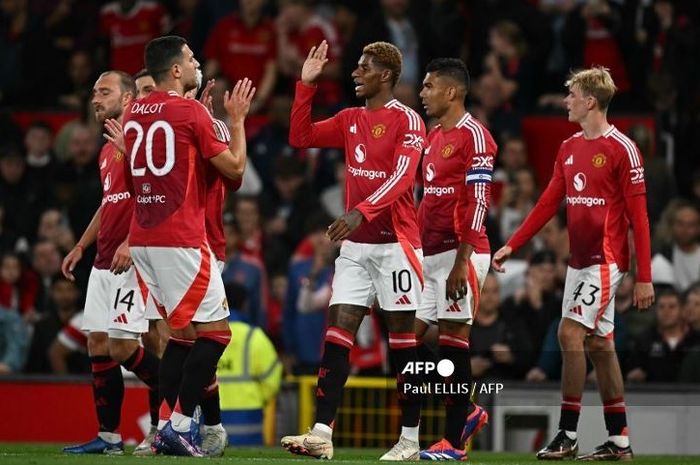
x=245, y=45
x=16, y=290
x=129, y=25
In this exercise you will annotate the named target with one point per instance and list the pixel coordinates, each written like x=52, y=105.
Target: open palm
x=314, y=63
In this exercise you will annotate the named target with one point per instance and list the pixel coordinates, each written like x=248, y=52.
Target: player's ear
x=451, y=92
x=387, y=75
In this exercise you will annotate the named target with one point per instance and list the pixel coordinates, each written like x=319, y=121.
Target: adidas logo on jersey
x=404, y=300
x=121, y=319
x=570, y=160
x=353, y=129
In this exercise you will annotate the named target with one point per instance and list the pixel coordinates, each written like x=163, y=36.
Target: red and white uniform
x=382, y=257
x=602, y=181
x=216, y=195
x=241, y=51
x=72, y=335
x=129, y=33
x=457, y=175
x=169, y=140
x=113, y=303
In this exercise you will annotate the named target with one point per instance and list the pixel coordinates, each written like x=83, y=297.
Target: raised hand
x=115, y=134
x=315, y=61
x=206, y=99
x=237, y=102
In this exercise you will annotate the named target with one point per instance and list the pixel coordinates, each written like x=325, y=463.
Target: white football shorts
x=388, y=272
x=589, y=297
x=436, y=305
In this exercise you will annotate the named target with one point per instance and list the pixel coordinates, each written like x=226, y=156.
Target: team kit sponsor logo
x=579, y=183
x=116, y=197
x=637, y=175
x=413, y=141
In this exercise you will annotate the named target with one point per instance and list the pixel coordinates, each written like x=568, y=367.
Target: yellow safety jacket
x=249, y=375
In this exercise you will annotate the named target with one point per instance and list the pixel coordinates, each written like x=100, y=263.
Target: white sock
x=323, y=431
x=111, y=438
x=410, y=432
x=180, y=423
x=620, y=440
x=570, y=434
x=161, y=424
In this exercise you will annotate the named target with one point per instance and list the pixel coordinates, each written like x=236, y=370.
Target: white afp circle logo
x=579, y=182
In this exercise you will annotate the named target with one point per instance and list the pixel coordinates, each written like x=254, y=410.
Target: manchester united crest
x=447, y=151
x=118, y=155
x=378, y=131
x=599, y=160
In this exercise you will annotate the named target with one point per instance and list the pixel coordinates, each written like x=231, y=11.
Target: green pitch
x=31, y=454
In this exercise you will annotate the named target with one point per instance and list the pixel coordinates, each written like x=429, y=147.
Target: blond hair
x=386, y=55
x=595, y=82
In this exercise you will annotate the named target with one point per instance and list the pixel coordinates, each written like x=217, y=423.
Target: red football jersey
x=216, y=194
x=240, y=51
x=457, y=172
x=169, y=139
x=128, y=34
x=382, y=152
x=599, y=178
x=117, y=205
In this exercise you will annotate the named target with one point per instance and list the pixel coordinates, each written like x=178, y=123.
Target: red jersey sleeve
x=545, y=208
x=475, y=197
x=631, y=173
x=302, y=132
x=407, y=154
x=210, y=143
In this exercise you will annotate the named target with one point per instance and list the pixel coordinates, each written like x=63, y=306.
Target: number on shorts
x=169, y=134
x=401, y=280
x=127, y=299
x=591, y=295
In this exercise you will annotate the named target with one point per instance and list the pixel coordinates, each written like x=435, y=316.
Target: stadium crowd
x=279, y=263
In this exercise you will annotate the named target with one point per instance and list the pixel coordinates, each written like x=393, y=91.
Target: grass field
x=31, y=454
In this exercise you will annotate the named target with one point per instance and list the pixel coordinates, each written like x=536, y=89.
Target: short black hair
x=669, y=292
x=40, y=124
x=143, y=73
x=162, y=53
x=454, y=68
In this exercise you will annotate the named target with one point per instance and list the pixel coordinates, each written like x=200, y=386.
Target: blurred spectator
x=500, y=348
x=183, y=13
x=250, y=240
x=509, y=64
x=54, y=227
x=558, y=62
x=81, y=76
x=279, y=285
x=243, y=45
x=512, y=157
x=17, y=290
x=273, y=140
x=41, y=161
x=691, y=308
x=333, y=197
x=46, y=263
x=538, y=302
x=78, y=186
x=517, y=199
x=554, y=236
x=68, y=351
x=449, y=22
x=247, y=271
x=658, y=355
x=409, y=31
x=306, y=305
x=637, y=323
x=289, y=204
x=8, y=240
x=64, y=306
x=14, y=341
x=206, y=14
x=23, y=40
x=299, y=28
x=22, y=204
x=491, y=110
x=128, y=25
x=683, y=252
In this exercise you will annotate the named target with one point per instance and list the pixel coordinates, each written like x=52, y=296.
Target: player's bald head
x=453, y=69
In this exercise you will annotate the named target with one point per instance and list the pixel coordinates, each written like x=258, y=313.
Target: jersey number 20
x=150, y=134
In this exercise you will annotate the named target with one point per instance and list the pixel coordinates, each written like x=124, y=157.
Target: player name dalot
x=146, y=108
